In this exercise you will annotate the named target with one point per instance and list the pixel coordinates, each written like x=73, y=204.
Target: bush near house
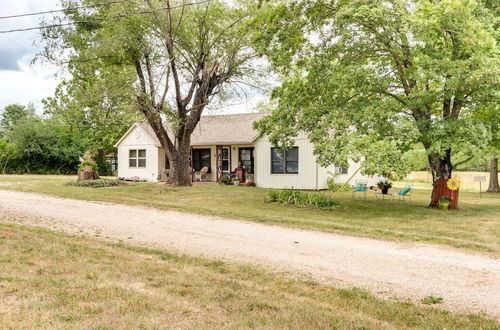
x=333, y=186
x=101, y=183
x=301, y=199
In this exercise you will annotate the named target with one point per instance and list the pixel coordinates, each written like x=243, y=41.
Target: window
x=246, y=159
x=201, y=159
x=137, y=158
x=340, y=169
x=285, y=161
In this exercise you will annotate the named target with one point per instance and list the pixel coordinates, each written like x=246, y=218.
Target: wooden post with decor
x=190, y=166
x=441, y=189
x=220, y=173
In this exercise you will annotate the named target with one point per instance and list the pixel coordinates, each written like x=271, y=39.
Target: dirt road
x=467, y=282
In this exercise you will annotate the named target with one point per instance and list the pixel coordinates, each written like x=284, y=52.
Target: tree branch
x=152, y=91
x=466, y=160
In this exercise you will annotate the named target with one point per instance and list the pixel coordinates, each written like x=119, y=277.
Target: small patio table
x=389, y=196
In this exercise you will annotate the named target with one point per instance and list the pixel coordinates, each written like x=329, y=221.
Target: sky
x=21, y=82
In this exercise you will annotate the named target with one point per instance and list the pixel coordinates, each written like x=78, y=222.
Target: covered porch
x=219, y=160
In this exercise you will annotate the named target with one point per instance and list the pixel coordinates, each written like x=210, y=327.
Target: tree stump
x=441, y=189
x=87, y=174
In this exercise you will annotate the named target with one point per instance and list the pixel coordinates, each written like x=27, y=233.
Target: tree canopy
x=34, y=144
x=13, y=114
x=367, y=80
x=7, y=153
x=172, y=59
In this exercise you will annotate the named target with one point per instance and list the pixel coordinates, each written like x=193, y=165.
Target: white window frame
x=137, y=158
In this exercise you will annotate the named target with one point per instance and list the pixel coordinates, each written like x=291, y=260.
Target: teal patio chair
x=359, y=187
x=405, y=192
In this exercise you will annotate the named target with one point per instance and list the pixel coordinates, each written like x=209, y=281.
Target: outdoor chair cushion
x=404, y=191
x=360, y=188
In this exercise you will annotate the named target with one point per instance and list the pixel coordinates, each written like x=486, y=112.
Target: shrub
x=272, y=196
x=86, y=163
x=225, y=179
x=301, y=199
x=333, y=186
x=101, y=183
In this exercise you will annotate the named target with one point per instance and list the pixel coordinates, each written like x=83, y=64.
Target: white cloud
x=31, y=83
x=20, y=82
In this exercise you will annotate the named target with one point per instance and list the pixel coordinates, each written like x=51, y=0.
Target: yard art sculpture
x=449, y=188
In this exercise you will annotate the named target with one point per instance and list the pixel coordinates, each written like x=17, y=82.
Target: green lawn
x=52, y=280
x=476, y=226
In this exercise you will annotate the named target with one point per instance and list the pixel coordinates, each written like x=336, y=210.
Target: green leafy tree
x=7, y=153
x=183, y=56
x=100, y=110
x=13, y=114
x=46, y=146
x=367, y=80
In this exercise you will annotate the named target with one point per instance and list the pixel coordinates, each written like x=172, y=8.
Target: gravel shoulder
x=467, y=282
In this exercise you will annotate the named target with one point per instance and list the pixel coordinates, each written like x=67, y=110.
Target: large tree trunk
x=441, y=172
x=494, y=186
x=180, y=173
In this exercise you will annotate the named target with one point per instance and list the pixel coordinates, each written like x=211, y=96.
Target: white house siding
x=138, y=139
x=310, y=176
x=353, y=167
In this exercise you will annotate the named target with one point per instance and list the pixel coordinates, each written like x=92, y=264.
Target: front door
x=246, y=159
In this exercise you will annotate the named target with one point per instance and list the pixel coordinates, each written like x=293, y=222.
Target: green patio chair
x=405, y=192
x=359, y=187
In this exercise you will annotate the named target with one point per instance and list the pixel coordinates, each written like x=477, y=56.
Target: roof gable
x=138, y=135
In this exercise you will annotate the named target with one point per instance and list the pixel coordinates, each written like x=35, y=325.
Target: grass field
x=476, y=226
x=51, y=280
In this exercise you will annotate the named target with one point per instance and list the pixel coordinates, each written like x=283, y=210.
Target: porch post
x=219, y=162
x=191, y=164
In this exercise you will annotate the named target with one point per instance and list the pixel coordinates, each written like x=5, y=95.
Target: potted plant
x=444, y=202
x=236, y=181
x=384, y=186
x=225, y=179
x=249, y=180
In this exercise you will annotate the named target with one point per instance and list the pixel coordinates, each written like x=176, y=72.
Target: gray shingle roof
x=219, y=129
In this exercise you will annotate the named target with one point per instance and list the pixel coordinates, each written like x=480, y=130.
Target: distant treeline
x=30, y=143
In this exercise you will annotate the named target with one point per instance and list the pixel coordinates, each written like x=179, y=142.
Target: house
x=224, y=142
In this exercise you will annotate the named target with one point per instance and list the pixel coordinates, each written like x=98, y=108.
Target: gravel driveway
x=468, y=282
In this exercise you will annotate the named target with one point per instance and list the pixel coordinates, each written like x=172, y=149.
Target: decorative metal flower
x=453, y=184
